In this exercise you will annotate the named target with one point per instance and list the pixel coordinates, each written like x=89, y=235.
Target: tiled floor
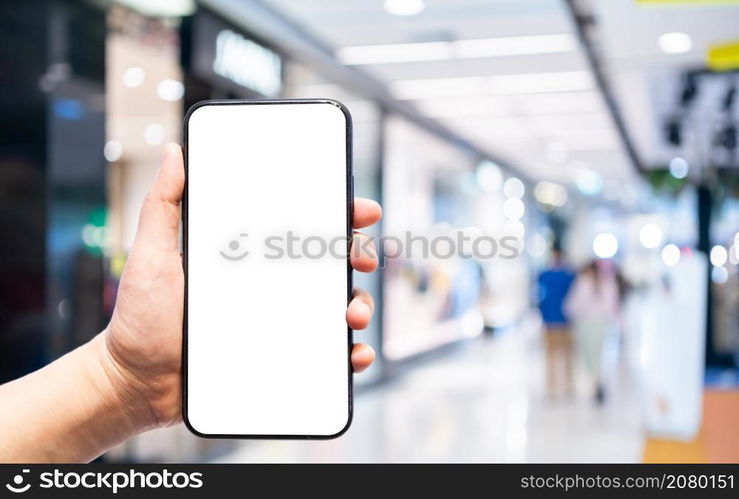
x=481, y=402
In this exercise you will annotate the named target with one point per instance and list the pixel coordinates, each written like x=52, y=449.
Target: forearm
x=72, y=410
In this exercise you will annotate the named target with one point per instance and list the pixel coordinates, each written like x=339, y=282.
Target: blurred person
x=553, y=285
x=127, y=379
x=593, y=304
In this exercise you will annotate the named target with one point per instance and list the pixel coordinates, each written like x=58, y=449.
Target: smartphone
x=267, y=214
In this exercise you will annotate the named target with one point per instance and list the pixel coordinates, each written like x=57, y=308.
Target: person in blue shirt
x=553, y=285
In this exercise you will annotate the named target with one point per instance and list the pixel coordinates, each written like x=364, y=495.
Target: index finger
x=366, y=212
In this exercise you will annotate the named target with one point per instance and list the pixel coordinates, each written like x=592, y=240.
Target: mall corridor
x=558, y=180
x=483, y=401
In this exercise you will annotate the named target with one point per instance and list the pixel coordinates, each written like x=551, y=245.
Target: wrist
x=120, y=390
x=94, y=407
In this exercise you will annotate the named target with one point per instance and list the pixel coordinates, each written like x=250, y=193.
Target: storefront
x=432, y=292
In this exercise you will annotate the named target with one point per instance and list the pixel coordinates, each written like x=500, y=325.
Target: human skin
x=127, y=379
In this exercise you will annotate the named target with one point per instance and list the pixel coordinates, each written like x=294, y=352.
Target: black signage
x=225, y=57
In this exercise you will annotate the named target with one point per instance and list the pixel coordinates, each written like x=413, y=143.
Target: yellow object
x=724, y=57
x=117, y=262
x=717, y=442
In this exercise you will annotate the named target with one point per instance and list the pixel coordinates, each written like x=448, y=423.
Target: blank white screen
x=267, y=346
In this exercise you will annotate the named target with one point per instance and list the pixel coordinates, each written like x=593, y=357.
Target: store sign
x=247, y=63
x=227, y=59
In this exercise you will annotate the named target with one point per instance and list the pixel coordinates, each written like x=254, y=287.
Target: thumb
x=159, y=220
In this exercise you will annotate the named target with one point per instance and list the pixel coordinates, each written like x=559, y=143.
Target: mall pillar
x=705, y=214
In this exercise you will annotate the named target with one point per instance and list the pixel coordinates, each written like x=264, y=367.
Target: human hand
x=141, y=349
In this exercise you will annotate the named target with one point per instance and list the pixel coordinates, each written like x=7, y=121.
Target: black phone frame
x=349, y=270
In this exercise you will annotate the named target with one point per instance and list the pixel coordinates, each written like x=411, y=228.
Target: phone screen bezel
x=349, y=217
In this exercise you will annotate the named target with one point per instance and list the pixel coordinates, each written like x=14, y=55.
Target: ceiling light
x=515, y=45
x=396, y=52
x=650, y=236
x=670, y=255
x=719, y=256
x=457, y=49
x=134, y=77
x=675, y=43
x=154, y=134
x=605, y=245
x=404, y=7
x=514, y=84
x=679, y=167
x=513, y=208
x=170, y=90
x=514, y=188
x=112, y=150
x=549, y=193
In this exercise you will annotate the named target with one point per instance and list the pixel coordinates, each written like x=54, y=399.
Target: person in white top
x=593, y=305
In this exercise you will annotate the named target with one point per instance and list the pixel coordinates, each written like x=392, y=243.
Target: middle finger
x=363, y=255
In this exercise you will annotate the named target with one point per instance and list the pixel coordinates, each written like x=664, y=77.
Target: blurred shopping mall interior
x=598, y=136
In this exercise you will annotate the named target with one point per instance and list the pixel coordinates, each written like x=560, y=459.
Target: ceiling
x=537, y=105
x=646, y=81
